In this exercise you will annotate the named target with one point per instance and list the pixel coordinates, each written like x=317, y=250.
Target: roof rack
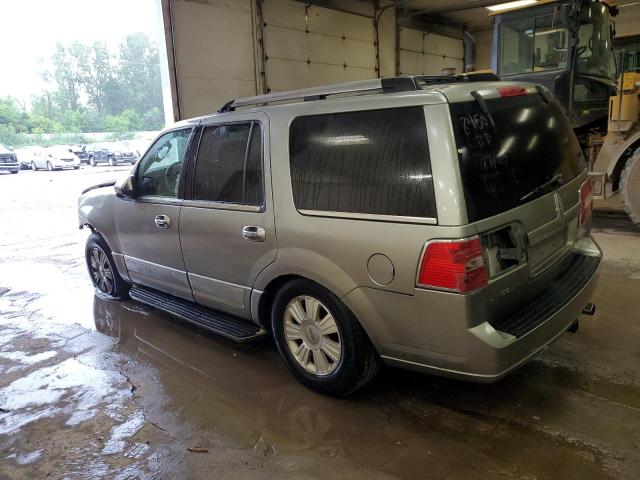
x=379, y=85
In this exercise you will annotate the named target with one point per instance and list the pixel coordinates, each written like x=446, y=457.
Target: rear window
x=531, y=151
x=368, y=162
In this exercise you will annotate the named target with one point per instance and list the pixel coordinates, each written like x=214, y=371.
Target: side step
x=229, y=326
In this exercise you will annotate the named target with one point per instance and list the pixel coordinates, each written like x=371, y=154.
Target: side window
x=229, y=164
x=159, y=171
x=370, y=162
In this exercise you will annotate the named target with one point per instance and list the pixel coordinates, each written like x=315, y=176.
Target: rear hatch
x=522, y=172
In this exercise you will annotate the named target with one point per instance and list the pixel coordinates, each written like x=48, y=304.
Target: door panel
x=152, y=254
x=222, y=264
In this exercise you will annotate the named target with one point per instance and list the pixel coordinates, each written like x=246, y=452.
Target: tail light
x=586, y=201
x=456, y=266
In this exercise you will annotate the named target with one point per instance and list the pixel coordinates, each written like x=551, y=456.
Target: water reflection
x=240, y=391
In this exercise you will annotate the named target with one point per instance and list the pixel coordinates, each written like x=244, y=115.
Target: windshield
x=531, y=151
x=628, y=51
x=534, y=44
x=594, y=54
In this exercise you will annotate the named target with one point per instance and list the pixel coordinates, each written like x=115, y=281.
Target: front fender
x=96, y=210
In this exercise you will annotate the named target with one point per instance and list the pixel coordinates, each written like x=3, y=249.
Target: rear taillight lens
x=586, y=201
x=457, y=266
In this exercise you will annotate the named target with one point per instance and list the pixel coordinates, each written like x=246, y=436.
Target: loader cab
x=627, y=52
x=565, y=46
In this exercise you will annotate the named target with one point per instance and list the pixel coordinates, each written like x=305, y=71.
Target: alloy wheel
x=312, y=335
x=100, y=270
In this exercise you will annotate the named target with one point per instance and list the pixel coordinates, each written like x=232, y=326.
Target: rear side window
x=229, y=164
x=531, y=151
x=368, y=162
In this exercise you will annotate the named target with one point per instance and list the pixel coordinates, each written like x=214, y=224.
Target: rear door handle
x=254, y=233
x=163, y=221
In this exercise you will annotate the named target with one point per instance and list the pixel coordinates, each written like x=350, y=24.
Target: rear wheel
x=630, y=187
x=92, y=161
x=112, y=161
x=102, y=269
x=14, y=171
x=33, y=166
x=49, y=166
x=320, y=340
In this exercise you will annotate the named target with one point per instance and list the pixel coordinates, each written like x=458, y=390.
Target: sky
x=31, y=29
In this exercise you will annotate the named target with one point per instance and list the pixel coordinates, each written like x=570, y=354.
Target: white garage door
x=306, y=46
x=423, y=53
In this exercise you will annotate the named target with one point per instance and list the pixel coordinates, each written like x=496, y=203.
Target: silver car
x=437, y=224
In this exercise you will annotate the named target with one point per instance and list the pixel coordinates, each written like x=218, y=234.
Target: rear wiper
x=552, y=182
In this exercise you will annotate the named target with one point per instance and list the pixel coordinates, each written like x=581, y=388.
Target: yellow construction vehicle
x=568, y=46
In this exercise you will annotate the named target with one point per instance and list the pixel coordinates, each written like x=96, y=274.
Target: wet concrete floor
x=91, y=388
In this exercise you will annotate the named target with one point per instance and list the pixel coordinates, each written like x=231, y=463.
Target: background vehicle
x=8, y=160
x=568, y=47
x=366, y=265
x=27, y=156
x=55, y=158
x=111, y=153
x=80, y=151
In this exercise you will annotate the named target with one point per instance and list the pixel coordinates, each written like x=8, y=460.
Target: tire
x=352, y=360
x=112, y=162
x=99, y=263
x=630, y=187
x=92, y=162
x=14, y=171
x=76, y=168
x=49, y=167
x=33, y=166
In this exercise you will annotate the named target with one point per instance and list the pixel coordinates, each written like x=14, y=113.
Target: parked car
x=437, y=224
x=112, y=154
x=8, y=160
x=55, y=158
x=80, y=151
x=27, y=156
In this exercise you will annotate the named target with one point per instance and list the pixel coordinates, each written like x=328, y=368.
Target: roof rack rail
x=378, y=85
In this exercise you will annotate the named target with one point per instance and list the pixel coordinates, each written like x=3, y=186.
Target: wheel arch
x=623, y=153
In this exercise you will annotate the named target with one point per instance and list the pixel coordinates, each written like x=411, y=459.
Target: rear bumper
x=436, y=332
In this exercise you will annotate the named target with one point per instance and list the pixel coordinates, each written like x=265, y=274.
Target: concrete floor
x=92, y=388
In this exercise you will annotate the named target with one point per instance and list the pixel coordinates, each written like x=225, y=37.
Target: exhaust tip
x=589, y=309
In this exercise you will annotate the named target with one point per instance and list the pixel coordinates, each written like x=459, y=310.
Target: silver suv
x=438, y=224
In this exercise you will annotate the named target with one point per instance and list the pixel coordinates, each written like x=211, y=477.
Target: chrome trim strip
x=222, y=206
x=164, y=267
x=218, y=281
x=370, y=216
x=159, y=200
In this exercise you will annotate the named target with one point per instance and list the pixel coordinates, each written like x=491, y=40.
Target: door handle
x=254, y=233
x=162, y=221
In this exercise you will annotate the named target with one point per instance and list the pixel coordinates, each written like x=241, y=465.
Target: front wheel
x=14, y=171
x=321, y=341
x=33, y=166
x=102, y=269
x=49, y=166
x=112, y=161
x=76, y=167
x=630, y=187
x=92, y=161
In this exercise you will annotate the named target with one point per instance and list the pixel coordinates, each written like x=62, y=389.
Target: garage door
x=423, y=53
x=306, y=45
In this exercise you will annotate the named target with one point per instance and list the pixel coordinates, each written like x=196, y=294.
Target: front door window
x=160, y=169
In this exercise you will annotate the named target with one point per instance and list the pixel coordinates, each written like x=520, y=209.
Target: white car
x=55, y=158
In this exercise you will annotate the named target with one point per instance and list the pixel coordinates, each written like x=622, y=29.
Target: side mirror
x=125, y=188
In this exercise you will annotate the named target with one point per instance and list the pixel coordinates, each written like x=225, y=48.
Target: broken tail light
x=456, y=266
x=586, y=201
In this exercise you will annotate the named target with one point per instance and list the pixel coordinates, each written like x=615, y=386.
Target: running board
x=229, y=326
